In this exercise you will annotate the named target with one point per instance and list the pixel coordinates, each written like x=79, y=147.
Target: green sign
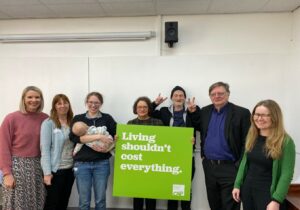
x=153, y=162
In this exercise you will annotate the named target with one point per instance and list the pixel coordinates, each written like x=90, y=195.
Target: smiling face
x=178, y=98
x=32, y=101
x=93, y=104
x=142, y=110
x=219, y=97
x=62, y=107
x=262, y=119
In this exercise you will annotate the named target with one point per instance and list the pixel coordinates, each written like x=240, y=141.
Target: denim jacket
x=51, y=142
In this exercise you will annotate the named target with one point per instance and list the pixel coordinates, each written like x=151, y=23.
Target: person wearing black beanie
x=177, y=115
x=178, y=88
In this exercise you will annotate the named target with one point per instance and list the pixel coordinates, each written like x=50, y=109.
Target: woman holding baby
x=91, y=167
x=56, y=154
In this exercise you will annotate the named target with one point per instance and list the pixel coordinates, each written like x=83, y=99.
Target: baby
x=81, y=129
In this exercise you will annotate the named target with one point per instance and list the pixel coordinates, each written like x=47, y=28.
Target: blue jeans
x=88, y=175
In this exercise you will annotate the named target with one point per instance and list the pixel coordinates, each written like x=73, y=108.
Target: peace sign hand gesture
x=159, y=99
x=191, y=105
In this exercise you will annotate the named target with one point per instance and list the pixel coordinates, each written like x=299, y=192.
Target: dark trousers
x=138, y=203
x=173, y=204
x=255, y=194
x=185, y=205
x=219, y=180
x=59, y=191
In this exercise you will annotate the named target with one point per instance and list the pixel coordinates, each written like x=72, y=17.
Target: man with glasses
x=223, y=128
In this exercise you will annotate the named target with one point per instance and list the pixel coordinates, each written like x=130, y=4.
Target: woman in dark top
x=267, y=167
x=92, y=166
x=142, y=108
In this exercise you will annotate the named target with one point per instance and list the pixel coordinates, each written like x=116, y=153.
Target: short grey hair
x=218, y=84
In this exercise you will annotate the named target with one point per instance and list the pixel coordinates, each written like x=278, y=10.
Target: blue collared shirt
x=216, y=146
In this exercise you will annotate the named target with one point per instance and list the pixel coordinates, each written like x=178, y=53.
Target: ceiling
x=24, y=9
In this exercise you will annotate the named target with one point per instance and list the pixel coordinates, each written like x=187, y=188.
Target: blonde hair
x=22, y=106
x=274, y=141
x=79, y=128
x=53, y=112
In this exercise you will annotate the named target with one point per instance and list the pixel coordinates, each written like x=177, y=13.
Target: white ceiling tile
x=236, y=6
x=282, y=5
x=242, y=6
x=251, y=6
x=106, y=8
x=129, y=9
x=4, y=16
x=182, y=7
x=28, y=11
x=224, y=6
x=67, y=1
x=77, y=10
x=123, y=1
x=18, y=2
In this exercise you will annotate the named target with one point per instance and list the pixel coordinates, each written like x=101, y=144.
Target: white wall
x=198, y=35
x=257, y=54
x=292, y=86
x=232, y=34
x=84, y=49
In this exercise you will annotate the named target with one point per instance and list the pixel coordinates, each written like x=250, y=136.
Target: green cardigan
x=282, y=171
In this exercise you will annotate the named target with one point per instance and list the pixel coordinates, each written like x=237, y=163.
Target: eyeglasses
x=264, y=116
x=221, y=94
x=142, y=107
x=96, y=103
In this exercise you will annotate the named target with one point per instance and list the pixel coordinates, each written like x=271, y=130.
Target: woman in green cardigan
x=267, y=167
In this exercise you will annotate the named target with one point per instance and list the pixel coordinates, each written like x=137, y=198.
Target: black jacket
x=86, y=153
x=165, y=115
x=237, y=124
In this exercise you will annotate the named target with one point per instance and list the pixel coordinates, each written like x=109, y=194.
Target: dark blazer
x=237, y=124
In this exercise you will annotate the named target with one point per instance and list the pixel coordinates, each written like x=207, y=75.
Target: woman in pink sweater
x=20, y=154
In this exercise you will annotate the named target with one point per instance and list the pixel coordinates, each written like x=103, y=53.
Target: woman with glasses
x=23, y=187
x=91, y=167
x=267, y=167
x=142, y=108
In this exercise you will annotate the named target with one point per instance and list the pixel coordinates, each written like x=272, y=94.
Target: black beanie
x=178, y=88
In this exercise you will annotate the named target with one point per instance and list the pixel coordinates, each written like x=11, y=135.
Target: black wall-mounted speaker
x=171, y=33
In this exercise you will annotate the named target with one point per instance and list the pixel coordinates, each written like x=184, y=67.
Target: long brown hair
x=274, y=141
x=53, y=112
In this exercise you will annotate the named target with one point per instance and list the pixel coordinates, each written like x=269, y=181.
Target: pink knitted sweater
x=20, y=137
